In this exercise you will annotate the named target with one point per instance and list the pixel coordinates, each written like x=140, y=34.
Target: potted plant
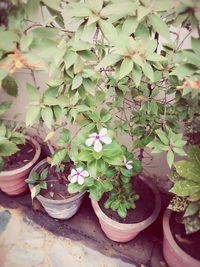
x=18, y=154
x=108, y=171
x=116, y=62
x=182, y=226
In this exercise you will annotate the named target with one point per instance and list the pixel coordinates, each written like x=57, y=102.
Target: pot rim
x=169, y=237
x=37, y=147
x=48, y=200
x=129, y=226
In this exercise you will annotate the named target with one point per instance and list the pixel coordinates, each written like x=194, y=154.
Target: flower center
x=78, y=173
x=97, y=137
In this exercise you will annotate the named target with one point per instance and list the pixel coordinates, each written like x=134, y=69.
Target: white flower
x=128, y=164
x=97, y=138
x=78, y=175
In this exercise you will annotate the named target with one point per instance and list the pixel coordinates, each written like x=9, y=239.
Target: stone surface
x=4, y=219
x=81, y=238
x=24, y=257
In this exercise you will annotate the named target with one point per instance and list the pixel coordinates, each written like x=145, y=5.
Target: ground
x=30, y=238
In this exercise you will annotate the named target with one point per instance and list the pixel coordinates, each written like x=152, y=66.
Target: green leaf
x=58, y=156
x=118, y=8
x=10, y=86
x=155, y=57
x=183, y=71
x=109, y=31
x=125, y=68
x=85, y=155
x=196, y=45
x=122, y=211
x=142, y=12
x=43, y=185
x=164, y=5
x=136, y=75
x=47, y=116
x=106, y=118
x=191, y=209
x=64, y=138
x=107, y=186
x=35, y=191
x=3, y=73
x=163, y=137
x=78, y=10
x=33, y=92
x=188, y=170
x=179, y=151
x=194, y=154
x=96, y=6
x=26, y=41
x=1, y=164
x=77, y=81
x=129, y=25
x=170, y=158
x=44, y=174
x=9, y=40
x=7, y=148
x=159, y=26
x=57, y=111
x=55, y=4
x=2, y=130
x=109, y=60
x=69, y=59
x=74, y=188
x=148, y=71
x=185, y=188
x=4, y=106
x=32, y=115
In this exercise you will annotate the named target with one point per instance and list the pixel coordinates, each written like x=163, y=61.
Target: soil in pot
x=56, y=183
x=144, y=205
x=20, y=158
x=190, y=243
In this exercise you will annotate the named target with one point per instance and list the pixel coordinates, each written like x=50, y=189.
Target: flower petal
x=97, y=146
x=106, y=139
x=79, y=170
x=93, y=135
x=81, y=180
x=103, y=132
x=74, y=179
x=84, y=173
x=90, y=141
x=129, y=167
x=129, y=162
x=73, y=172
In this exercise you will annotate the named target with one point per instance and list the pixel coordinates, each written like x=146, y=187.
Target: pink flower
x=128, y=164
x=78, y=175
x=97, y=138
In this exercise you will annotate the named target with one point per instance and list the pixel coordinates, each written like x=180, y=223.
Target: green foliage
x=187, y=190
x=117, y=68
x=37, y=180
x=10, y=86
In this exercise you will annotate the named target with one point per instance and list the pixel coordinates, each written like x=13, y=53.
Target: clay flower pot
x=59, y=209
x=13, y=182
x=121, y=232
x=173, y=254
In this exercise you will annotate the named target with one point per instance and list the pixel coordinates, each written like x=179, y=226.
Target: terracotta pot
x=173, y=254
x=121, y=232
x=59, y=209
x=13, y=182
